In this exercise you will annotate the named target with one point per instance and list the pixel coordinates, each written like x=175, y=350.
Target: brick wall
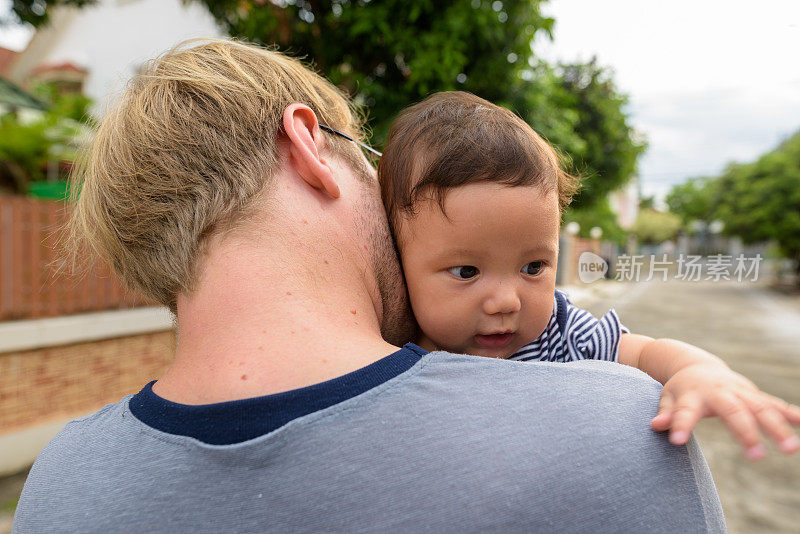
x=582, y=245
x=59, y=382
x=31, y=285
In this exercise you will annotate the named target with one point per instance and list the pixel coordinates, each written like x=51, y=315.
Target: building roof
x=61, y=66
x=12, y=95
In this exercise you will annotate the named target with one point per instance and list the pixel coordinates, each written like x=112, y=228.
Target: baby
x=475, y=197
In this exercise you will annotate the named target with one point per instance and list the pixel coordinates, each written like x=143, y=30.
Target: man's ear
x=305, y=142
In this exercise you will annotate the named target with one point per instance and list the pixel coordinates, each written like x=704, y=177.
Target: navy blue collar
x=225, y=423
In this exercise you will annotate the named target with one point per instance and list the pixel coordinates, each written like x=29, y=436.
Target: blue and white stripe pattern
x=577, y=336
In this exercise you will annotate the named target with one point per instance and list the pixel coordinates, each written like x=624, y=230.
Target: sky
x=13, y=37
x=709, y=81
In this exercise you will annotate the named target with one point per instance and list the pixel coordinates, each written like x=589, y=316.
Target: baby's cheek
x=426, y=311
x=538, y=328
x=436, y=318
x=541, y=316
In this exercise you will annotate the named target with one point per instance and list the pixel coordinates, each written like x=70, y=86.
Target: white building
x=625, y=203
x=96, y=49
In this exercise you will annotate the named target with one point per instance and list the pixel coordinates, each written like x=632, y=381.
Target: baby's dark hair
x=455, y=138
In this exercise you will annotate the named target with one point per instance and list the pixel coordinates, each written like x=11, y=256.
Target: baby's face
x=481, y=278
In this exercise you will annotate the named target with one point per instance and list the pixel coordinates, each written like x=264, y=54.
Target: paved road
x=757, y=332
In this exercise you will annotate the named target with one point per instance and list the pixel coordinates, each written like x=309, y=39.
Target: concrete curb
x=55, y=331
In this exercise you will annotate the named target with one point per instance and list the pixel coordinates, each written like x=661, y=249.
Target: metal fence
x=31, y=285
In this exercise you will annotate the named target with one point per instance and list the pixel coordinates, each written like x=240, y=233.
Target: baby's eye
x=533, y=268
x=465, y=272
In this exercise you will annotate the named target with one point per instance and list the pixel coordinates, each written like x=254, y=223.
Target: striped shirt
x=574, y=334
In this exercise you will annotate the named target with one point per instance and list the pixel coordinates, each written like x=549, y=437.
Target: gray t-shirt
x=453, y=444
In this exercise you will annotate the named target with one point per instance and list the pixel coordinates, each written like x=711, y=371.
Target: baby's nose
x=503, y=300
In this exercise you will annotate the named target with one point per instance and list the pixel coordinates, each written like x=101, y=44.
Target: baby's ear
x=306, y=143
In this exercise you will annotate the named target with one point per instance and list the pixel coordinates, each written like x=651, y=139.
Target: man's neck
x=257, y=326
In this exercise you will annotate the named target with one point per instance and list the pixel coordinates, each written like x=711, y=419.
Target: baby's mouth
x=494, y=341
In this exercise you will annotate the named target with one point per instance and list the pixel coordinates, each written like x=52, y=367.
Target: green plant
x=9, y=506
x=32, y=142
x=655, y=227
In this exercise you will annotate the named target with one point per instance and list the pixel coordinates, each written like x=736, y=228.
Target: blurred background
x=683, y=117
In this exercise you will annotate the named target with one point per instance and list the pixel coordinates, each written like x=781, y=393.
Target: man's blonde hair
x=183, y=154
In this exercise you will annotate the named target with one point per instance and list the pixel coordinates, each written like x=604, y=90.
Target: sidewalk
x=756, y=330
x=10, y=488
x=584, y=295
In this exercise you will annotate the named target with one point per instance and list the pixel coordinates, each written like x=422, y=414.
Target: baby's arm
x=698, y=384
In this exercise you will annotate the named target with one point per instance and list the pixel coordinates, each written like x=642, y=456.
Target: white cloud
x=709, y=82
x=15, y=37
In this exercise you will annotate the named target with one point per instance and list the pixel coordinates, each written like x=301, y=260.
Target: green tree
x=760, y=201
x=29, y=144
x=600, y=215
x=37, y=12
x=693, y=200
x=611, y=145
x=388, y=54
x=647, y=203
x=392, y=53
x=655, y=227
x=547, y=105
x=757, y=201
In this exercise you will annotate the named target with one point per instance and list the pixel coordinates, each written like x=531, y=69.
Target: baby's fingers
x=773, y=421
x=687, y=412
x=790, y=411
x=741, y=422
x=662, y=421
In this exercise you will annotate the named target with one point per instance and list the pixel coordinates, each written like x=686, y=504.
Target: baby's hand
x=711, y=389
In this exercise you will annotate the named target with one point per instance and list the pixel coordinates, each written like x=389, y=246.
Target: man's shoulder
x=83, y=436
x=577, y=375
x=593, y=403
x=65, y=469
x=86, y=429
x=430, y=442
x=576, y=432
x=589, y=402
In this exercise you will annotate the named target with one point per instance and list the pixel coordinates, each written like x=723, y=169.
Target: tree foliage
x=598, y=215
x=37, y=12
x=760, y=201
x=392, y=53
x=652, y=226
x=757, y=201
x=692, y=200
x=29, y=143
x=389, y=54
x=611, y=148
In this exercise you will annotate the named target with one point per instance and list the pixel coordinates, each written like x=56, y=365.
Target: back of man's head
x=185, y=152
